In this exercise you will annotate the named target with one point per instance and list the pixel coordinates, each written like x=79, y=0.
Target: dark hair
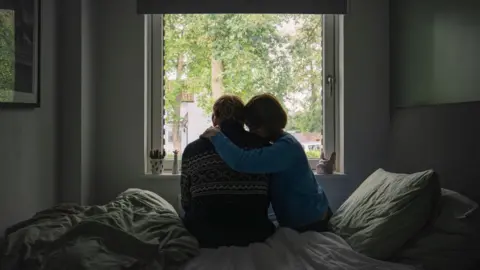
x=229, y=107
x=265, y=111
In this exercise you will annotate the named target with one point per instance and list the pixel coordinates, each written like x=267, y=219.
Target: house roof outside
x=308, y=137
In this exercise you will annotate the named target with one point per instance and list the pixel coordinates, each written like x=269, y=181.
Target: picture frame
x=20, y=53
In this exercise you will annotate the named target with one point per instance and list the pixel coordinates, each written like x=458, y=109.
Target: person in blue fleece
x=297, y=199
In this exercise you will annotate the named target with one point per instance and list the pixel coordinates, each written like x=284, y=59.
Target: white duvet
x=288, y=249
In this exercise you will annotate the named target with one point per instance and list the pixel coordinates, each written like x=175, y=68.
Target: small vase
x=175, y=163
x=157, y=166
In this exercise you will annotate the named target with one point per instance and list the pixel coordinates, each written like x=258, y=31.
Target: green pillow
x=386, y=210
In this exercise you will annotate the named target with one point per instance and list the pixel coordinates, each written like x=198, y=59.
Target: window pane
x=207, y=55
x=7, y=55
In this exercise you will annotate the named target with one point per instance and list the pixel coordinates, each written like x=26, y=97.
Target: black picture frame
x=22, y=88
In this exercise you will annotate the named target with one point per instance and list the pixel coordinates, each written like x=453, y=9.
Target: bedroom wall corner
x=76, y=79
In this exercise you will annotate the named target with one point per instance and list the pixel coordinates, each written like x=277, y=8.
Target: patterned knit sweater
x=224, y=207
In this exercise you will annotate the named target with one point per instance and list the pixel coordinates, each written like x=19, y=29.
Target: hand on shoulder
x=210, y=132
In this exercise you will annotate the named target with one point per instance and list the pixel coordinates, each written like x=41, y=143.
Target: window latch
x=331, y=85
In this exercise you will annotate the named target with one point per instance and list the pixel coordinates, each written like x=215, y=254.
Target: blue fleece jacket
x=297, y=198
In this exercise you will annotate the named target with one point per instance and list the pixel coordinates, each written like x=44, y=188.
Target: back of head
x=228, y=107
x=265, y=111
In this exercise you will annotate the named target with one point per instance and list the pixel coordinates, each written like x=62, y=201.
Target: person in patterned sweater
x=224, y=207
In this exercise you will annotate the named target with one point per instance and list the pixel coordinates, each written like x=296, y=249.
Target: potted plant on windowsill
x=156, y=160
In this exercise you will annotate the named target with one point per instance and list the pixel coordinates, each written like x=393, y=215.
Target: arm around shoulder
x=278, y=157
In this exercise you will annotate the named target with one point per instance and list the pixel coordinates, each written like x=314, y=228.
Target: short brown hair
x=229, y=107
x=265, y=111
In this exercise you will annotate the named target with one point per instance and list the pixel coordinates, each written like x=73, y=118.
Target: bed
x=140, y=230
x=439, y=137
x=288, y=250
x=136, y=230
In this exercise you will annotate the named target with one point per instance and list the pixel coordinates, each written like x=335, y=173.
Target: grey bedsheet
x=138, y=230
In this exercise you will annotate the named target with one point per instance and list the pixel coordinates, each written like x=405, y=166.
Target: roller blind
x=242, y=6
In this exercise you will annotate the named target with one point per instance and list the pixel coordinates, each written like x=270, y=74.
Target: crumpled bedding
x=289, y=250
x=138, y=230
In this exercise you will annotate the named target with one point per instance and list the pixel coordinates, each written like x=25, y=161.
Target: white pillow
x=452, y=241
x=385, y=211
x=456, y=205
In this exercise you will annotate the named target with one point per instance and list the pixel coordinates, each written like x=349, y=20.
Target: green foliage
x=256, y=55
x=7, y=55
x=307, y=64
x=313, y=153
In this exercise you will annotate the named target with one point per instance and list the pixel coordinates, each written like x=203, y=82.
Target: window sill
x=168, y=164
x=169, y=176
x=164, y=176
x=334, y=175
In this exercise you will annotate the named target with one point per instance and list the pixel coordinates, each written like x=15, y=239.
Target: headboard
x=445, y=138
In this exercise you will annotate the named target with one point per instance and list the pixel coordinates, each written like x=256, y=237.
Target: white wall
x=28, y=140
x=366, y=88
x=47, y=153
x=119, y=146
x=197, y=121
x=120, y=101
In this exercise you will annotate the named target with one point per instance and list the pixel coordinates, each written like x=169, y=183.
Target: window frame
x=330, y=99
x=154, y=87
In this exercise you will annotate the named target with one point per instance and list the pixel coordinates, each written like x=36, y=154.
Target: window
x=19, y=45
x=192, y=59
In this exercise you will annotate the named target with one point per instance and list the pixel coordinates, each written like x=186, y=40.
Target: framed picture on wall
x=19, y=53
